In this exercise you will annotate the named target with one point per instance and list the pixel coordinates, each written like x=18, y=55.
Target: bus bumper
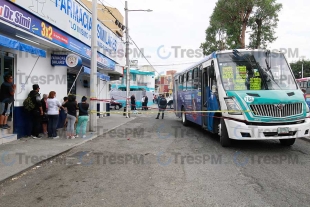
x=241, y=131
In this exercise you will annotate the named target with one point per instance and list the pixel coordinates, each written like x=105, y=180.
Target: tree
x=228, y=21
x=263, y=22
x=297, y=66
x=215, y=38
x=231, y=18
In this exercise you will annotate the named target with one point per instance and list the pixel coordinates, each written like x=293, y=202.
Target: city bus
x=242, y=95
x=304, y=83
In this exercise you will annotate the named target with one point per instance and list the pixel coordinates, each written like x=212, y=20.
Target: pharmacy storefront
x=35, y=34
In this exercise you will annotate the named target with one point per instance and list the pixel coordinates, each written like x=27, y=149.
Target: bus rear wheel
x=224, y=138
x=184, y=120
x=287, y=142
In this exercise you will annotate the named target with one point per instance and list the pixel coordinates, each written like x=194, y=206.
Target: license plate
x=283, y=130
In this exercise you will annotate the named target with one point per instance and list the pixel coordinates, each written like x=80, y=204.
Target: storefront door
x=7, y=66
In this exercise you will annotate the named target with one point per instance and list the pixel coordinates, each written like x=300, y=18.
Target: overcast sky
x=182, y=23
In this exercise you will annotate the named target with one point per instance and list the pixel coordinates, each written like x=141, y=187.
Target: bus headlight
x=232, y=107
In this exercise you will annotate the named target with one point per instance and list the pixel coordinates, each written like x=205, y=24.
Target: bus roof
x=213, y=55
x=209, y=57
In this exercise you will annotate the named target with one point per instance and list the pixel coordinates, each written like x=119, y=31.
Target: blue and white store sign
x=70, y=60
x=73, y=18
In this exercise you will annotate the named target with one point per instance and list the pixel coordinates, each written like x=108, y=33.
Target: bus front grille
x=276, y=110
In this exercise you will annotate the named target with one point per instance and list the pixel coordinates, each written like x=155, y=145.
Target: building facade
x=49, y=43
x=139, y=81
x=164, y=83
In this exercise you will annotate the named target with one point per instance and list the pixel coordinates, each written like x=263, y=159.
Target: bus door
x=210, y=102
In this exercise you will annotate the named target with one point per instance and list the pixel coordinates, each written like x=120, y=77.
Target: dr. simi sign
x=70, y=60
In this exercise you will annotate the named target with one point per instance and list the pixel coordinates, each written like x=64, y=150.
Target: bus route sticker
x=249, y=99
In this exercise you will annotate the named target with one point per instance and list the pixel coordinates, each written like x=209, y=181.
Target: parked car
x=170, y=102
x=116, y=105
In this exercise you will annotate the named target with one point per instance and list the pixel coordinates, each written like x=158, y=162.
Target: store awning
x=104, y=77
x=139, y=72
x=100, y=75
x=16, y=45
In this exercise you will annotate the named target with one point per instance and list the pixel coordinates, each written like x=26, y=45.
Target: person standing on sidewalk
x=83, y=117
x=37, y=113
x=6, y=99
x=71, y=106
x=53, y=114
x=44, y=117
x=162, y=105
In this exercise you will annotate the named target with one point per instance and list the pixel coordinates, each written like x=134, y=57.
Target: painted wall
x=39, y=71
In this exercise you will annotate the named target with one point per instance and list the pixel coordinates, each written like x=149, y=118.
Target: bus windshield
x=255, y=70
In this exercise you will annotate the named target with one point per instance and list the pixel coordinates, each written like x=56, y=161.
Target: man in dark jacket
x=37, y=113
x=162, y=105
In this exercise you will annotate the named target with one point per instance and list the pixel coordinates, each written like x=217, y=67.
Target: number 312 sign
x=47, y=32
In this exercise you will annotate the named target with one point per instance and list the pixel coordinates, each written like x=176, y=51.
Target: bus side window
x=180, y=83
x=195, y=78
x=189, y=80
x=304, y=84
x=308, y=84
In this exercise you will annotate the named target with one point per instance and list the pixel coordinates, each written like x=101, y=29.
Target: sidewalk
x=24, y=153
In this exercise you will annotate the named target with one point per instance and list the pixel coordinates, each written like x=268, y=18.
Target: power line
x=143, y=54
x=109, y=4
x=108, y=10
x=176, y=64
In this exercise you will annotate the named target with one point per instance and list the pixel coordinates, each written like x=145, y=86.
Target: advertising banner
x=73, y=18
x=24, y=20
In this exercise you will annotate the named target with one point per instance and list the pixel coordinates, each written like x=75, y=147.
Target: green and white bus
x=243, y=95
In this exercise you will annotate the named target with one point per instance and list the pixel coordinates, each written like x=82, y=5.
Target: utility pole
x=93, y=74
x=302, y=69
x=127, y=61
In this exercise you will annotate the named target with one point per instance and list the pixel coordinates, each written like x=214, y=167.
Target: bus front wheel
x=184, y=120
x=287, y=142
x=224, y=138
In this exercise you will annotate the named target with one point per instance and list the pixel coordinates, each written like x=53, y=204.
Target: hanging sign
x=70, y=60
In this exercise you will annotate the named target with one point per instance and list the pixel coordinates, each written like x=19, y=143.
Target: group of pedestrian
x=45, y=112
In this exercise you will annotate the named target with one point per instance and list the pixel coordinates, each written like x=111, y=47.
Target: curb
x=60, y=153
x=305, y=139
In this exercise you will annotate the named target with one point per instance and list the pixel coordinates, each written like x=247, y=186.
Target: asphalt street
x=149, y=162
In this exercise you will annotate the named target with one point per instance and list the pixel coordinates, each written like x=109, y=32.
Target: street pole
x=302, y=70
x=93, y=74
x=127, y=61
